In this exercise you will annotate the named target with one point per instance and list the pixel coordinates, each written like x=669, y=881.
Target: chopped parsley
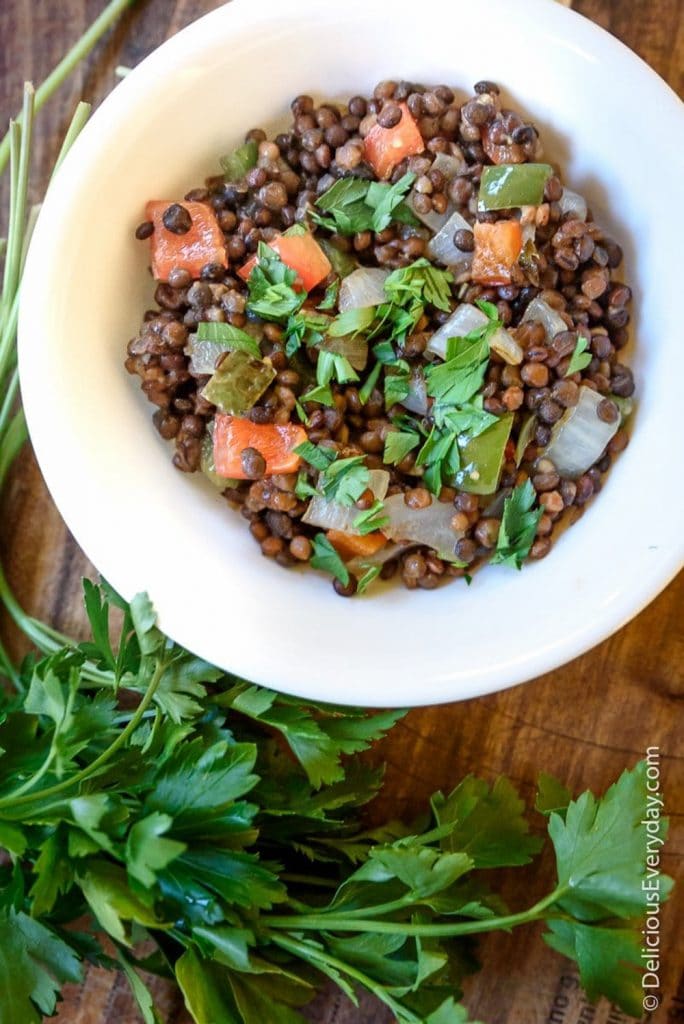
x=441, y=458
x=341, y=480
x=316, y=455
x=352, y=321
x=270, y=284
x=304, y=328
x=232, y=337
x=371, y=380
x=371, y=519
x=580, y=358
x=354, y=204
x=345, y=480
x=398, y=443
x=397, y=378
x=420, y=282
x=518, y=527
x=459, y=378
x=327, y=559
x=371, y=573
x=330, y=297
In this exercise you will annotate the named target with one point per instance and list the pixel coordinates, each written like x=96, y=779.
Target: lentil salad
x=390, y=336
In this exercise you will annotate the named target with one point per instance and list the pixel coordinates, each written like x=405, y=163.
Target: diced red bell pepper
x=351, y=545
x=300, y=253
x=497, y=248
x=202, y=244
x=274, y=441
x=384, y=148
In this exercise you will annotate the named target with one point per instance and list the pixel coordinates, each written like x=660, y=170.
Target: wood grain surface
x=585, y=722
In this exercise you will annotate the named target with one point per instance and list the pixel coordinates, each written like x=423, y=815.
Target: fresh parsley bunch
x=211, y=829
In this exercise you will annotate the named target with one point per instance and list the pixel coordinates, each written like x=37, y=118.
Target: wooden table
x=585, y=722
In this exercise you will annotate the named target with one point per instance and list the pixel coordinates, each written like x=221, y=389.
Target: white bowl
x=613, y=126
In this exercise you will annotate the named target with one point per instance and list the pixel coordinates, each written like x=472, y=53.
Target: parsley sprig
x=354, y=204
x=518, y=526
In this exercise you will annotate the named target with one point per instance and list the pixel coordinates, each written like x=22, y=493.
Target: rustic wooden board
x=585, y=722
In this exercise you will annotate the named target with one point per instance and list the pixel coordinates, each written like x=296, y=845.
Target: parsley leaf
x=461, y=376
x=580, y=358
x=34, y=964
x=420, y=282
x=441, y=458
x=609, y=960
x=330, y=297
x=371, y=519
x=333, y=366
x=352, y=321
x=398, y=443
x=387, y=203
x=600, y=848
x=345, y=480
x=488, y=824
x=369, y=384
x=232, y=337
x=316, y=455
x=371, y=573
x=397, y=379
x=326, y=558
x=354, y=204
x=518, y=527
x=271, y=292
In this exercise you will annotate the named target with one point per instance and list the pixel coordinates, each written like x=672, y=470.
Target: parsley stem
x=332, y=923
x=106, y=755
x=322, y=959
x=11, y=441
x=69, y=62
x=19, y=139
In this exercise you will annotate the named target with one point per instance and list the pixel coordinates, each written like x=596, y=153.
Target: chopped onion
x=449, y=164
x=363, y=288
x=443, y=248
x=505, y=345
x=467, y=318
x=416, y=400
x=574, y=204
x=579, y=438
x=353, y=346
x=430, y=526
x=463, y=320
x=203, y=354
x=550, y=319
x=331, y=515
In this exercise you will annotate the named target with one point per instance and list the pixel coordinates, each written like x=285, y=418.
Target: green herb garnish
x=369, y=384
x=398, y=443
x=580, y=358
x=371, y=519
x=270, y=284
x=371, y=573
x=353, y=204
x=241, y=160
x=397, y=377
x=420, y=282
x=231, y=338
x=518, y=527
x=327, y=559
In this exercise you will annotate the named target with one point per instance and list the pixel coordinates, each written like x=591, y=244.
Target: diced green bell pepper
x=238, y=383
x=482, y=458
x=506, y=186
